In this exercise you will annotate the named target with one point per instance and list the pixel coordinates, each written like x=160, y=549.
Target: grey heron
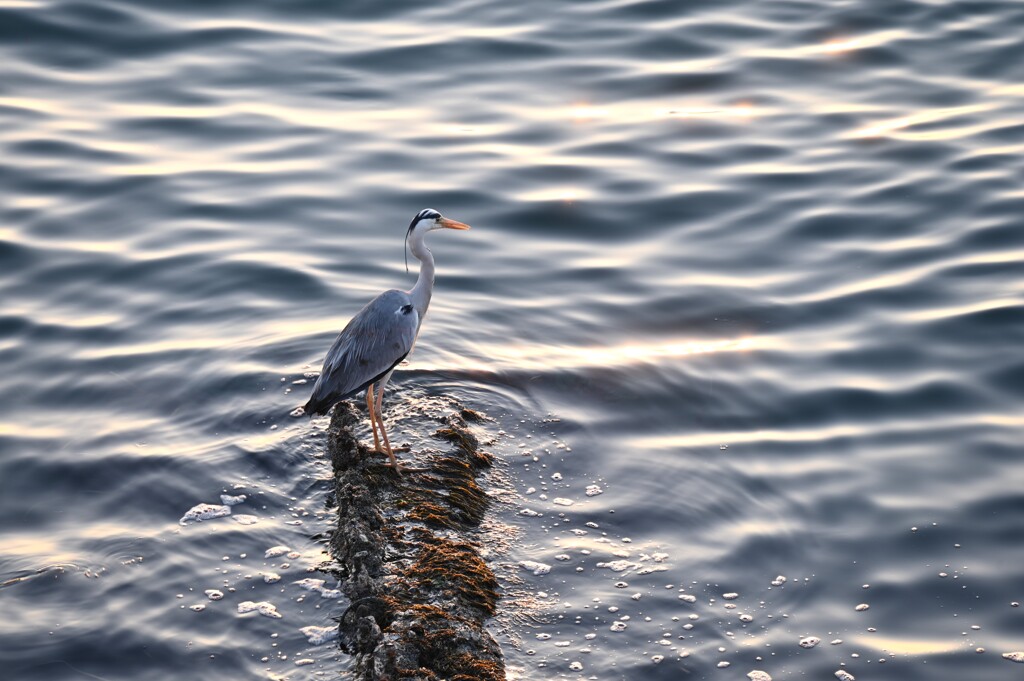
x=380, y=336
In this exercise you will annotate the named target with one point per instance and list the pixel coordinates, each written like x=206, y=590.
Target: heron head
x=427, y=220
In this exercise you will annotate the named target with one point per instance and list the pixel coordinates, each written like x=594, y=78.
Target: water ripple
x=751, y=269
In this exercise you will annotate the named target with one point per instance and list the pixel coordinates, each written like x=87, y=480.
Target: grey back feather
x=374, y=341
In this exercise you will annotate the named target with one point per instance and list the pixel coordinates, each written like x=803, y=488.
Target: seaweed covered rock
x=420, y=593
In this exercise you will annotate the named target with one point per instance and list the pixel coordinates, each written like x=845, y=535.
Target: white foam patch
x=809, y=641
x=650, y=569
x=271, y=577
x=262, y=607
x=594, y=490
x=214, y=594
x=562, y=501
x=758, y=675
x=619, y=565
x=275, y=551
x=229, y=500
x=243, y=519
x=317, y=636
x=317, y=585
x=535, y=567
x=201, y=512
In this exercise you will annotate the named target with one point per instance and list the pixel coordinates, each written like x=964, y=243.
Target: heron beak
x=452, y=224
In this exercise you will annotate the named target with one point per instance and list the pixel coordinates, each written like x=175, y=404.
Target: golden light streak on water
x=909, y=646
x=496, y=357
x=891, y=126
x=10, y=429
x=629, y=112
x=741, y=111
x=587, y=112
x=842, y=45
x=834, y=46
x=566, y=194
x=706, y=439
x=908, y=276
x=35, y=546
x=949, y=312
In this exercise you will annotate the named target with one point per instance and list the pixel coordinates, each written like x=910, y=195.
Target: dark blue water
x=754, y=269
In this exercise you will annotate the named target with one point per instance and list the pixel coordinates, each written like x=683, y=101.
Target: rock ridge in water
x=420, y=593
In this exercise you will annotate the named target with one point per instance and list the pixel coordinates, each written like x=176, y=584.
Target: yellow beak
x=453, y=224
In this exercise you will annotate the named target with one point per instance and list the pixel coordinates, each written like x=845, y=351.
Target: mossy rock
x=419, y=599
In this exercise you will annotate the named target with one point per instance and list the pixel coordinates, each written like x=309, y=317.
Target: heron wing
x=374, y=341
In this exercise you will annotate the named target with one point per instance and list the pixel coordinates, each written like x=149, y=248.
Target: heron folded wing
x=376, y=339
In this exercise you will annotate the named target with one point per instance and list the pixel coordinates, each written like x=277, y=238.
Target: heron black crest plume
x=425, y=213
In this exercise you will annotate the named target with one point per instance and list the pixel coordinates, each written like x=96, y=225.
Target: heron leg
x=380, y=416
x=387, y=444
x=373, y=421
x=380, y=422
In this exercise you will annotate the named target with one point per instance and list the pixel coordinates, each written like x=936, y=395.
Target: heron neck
x=420, y=293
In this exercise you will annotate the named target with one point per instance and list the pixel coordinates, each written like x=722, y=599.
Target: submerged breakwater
x=420, y=593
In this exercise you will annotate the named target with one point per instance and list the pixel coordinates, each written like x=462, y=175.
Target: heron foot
x=402, y=468
x=403, y=448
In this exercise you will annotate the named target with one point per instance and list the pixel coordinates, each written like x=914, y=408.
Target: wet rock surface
x=420, y=593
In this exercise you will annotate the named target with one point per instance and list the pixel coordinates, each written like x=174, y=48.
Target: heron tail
x=315, y=407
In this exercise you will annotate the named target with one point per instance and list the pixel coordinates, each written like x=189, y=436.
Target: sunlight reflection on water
x=504, y=357
x=752, y=270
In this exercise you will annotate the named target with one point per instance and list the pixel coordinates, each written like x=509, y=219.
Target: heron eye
x=405, y=309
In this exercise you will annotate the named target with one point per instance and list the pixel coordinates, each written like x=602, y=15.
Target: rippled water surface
x=751, y=270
